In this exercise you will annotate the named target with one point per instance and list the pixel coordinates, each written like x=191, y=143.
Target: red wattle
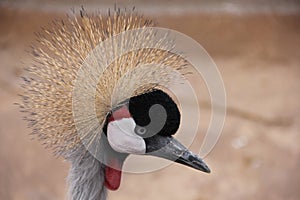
x=113, y=175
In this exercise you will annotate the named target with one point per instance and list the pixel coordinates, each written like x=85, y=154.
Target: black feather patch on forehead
x=139, y=107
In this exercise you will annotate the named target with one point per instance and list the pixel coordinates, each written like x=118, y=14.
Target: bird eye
x=140, y=130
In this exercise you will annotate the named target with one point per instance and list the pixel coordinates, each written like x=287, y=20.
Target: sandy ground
x=258, y=154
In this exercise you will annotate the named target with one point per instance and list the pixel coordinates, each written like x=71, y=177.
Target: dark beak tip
x=191, y=160
x=204, y=168
x=207, y=170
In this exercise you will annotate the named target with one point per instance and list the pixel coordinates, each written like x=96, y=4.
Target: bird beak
x=169, y=148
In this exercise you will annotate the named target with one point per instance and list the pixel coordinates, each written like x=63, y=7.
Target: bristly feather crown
x=58, y=56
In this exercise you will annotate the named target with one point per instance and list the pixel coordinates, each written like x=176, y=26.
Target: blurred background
x=255, y=44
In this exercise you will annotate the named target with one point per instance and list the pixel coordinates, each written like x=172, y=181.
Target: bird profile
x=96, y=122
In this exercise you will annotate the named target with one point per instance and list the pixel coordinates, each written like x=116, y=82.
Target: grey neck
x=86, y=177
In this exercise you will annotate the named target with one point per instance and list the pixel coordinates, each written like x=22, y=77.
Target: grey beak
x=169, y=148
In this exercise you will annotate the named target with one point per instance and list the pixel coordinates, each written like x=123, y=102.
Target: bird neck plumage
x=86, y=177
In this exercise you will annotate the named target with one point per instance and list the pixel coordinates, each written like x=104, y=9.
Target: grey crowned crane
x=125, y=126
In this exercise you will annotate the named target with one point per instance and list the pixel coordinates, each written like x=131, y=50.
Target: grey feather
x=86, y=177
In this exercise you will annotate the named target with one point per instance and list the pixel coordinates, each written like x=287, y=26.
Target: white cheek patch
x=122, y=138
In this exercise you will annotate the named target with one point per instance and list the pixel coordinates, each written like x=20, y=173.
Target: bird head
x=73, y=97
x=144, y=125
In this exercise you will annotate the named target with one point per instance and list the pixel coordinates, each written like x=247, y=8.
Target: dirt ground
x=258, y=154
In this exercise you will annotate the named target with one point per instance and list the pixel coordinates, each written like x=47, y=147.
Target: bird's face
x=144, y=125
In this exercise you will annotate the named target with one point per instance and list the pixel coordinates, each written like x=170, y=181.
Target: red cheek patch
x=121, y=113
